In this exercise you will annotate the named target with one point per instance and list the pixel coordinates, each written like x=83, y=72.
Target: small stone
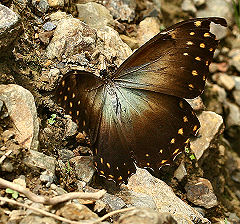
x=65, y=155
x=34, y=219
x=71, y=128
x=236, y=176
x=211, y=126
x=1, y=105
x=200, y=193
x=224, y=80
x=180, y=172
x=188, y=6
x=147, y=29
x=7, y=135
x=21, y=180
x=113, y=202
x=100, y=16
x=48, y=26
x=233, y=114
x=199, y=3
x=10, y=30
x=41, y=5
x=7, y=166
x=76, y=212
x=146, y=216
x=196, y=103
x=37, y=159
x=22, y=111
x=237, y=82
x=130, y=41
x=57, y=3
x=122, y=9
x=235, y=58
x=47, y=177
x=236, y=96
x=84, y=167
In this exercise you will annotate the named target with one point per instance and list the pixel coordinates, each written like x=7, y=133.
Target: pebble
x=41, y=5
x=48, y=26
x=200, y=192
x=211, y=126
x=10, y=28
x=22, y=110
x=188, y=6
x=232, y=114
x=224, y=80
x=100, y=16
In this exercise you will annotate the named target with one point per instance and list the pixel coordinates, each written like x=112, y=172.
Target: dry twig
x=5, y=156
x=51, y=201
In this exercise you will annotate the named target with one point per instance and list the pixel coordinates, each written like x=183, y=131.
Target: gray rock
x=47, y=177
x=220, y=8
x=100, y=16
x=84, y=167
x=196, y=103
x=41, y=5
x=180, y=172
x=35, y=219
x=58, y=3
x=71, y=128
x=201, y=193
x=70, y=37
x=237, y=82
x=136, y=199
x=113, y=202
x=35, y=159
x=122, y=9
x=7, y=166
x=236, y=96
x=1, y=105
x=22, y=111
x=234, y=54
x=224, y=80
x=217, y=96
x=211, y=126
x=10, y=30
x=188, y=6
x=48, y=26
x=199, y=3
x=146, y=216
x=164, y=197
x=147, y=29
x=233, y=114
x=65, y=154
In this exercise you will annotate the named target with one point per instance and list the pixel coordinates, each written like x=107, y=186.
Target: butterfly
x=137, y=115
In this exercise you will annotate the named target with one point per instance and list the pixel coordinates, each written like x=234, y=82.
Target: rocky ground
x=41, y=148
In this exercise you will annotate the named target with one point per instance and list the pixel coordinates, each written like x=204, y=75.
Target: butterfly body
x=137, y=115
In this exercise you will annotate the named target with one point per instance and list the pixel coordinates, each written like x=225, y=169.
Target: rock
x=65, y=155
x=215, y=67
x=196, y=103
x=41, y=5
x=122, y=9
x=234, y=54
x=22, y=111
x=100, y=16
x=84, y=167
x=216, y=98
x=47, y=178
x=236, y=96
x=211, y=126
x=76, y=212
x=199, y=3
x=45, y=36
x=10, y=30
x=188, y=6
x=112, y=202
x=162, y=194
x=71, y=37
x=136, y=199
x=37, y=159
x=233, y=114
x=21, y=180
x=7, y=135
x=146, y=216
x=224, y=80
x=201, y=193
x=7, y=166
x=130, y=41
x=180, y=172
x=147, y=29
x=220, y=8
x=48, y=26
x=237, y=82
x=15, y=216
x=35, y=219
x=112, y=46
x=57, y=3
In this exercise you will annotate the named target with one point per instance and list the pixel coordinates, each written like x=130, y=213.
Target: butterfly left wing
x=174, y=62
x=146, y=128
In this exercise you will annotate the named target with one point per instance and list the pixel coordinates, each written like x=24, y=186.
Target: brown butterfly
x=137, y=114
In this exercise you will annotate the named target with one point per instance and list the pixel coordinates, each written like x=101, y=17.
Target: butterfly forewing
x=176, y=60
x=138, y=116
